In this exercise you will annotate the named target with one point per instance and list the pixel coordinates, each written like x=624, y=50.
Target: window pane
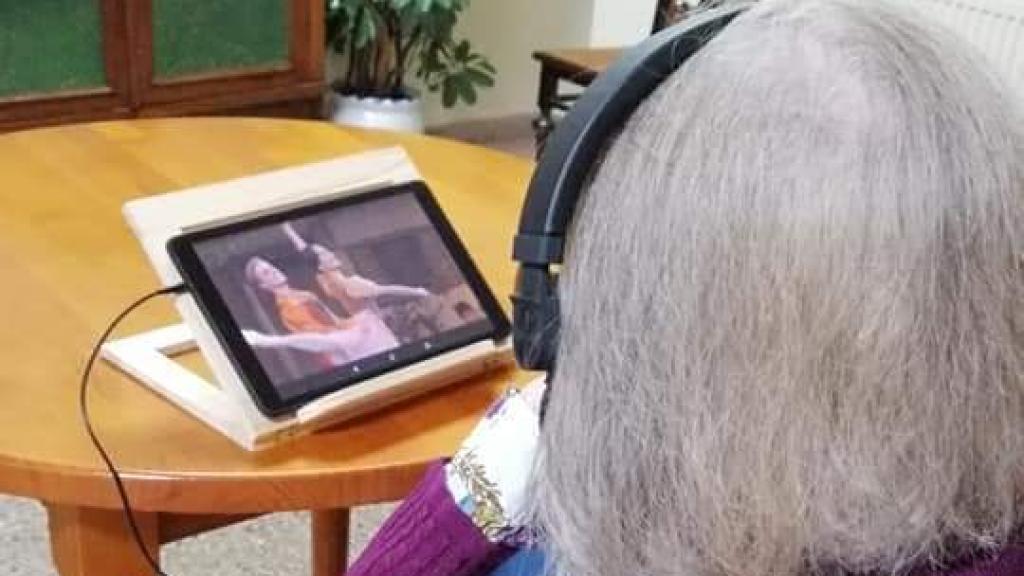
x=197, y=36
x=50, y=46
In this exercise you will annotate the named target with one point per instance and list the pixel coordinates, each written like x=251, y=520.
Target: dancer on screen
x=353, y=292
x=311, y=325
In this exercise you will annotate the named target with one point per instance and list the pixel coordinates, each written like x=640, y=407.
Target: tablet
x=313, y=299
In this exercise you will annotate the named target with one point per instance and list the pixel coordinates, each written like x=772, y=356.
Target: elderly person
x=792, y=311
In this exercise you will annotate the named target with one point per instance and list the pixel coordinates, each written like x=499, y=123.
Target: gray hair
x=792, y=311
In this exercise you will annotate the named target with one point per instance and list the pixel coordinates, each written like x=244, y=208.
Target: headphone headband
x=568, y=158
x=601, y=110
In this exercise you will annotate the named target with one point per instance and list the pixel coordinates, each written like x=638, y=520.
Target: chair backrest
x=668, y=12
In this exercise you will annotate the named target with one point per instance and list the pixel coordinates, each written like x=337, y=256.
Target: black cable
x=83, y=405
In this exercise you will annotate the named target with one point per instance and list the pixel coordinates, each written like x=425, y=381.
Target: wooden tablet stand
x=227, y=405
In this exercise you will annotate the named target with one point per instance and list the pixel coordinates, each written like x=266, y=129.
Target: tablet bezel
x=181, y=249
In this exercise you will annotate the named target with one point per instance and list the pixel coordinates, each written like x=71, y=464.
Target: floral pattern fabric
x=489, y=474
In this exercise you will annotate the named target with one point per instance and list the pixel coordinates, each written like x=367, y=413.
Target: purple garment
x=429, y=535
x=1009, y=562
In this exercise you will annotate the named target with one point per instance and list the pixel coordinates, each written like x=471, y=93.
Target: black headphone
x=568, y=156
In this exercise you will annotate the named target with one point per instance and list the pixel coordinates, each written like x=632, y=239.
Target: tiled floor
x=275, y=545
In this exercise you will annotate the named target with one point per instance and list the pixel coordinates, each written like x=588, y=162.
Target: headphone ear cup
x=536, y=319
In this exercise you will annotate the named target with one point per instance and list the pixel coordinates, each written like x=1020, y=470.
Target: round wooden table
x=69, y=263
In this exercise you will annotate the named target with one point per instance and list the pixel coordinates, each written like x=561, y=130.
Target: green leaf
x=449, y=93
x=462, y=51
x=465, y=88
x=365, y=30
x=478, y=77
x=441, y=62
x=487, y=66
x=335, y=29
x=437, y=25
x=351, y=8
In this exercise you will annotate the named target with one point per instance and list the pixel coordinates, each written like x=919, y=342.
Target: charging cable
x=83, y=404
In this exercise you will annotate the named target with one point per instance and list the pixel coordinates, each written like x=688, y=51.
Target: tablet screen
x=325, y=296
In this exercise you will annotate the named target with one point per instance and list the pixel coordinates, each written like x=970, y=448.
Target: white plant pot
x=404, y=115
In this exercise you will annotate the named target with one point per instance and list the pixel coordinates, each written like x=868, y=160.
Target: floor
x=274, y=545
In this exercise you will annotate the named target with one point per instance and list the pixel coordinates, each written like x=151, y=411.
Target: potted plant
x=381, y=41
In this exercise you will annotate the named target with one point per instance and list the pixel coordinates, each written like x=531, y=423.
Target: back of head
x=792, y=310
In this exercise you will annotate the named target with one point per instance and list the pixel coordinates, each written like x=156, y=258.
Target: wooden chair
x=580, y=66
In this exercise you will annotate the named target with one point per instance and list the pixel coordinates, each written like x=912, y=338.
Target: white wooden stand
x=227, y=406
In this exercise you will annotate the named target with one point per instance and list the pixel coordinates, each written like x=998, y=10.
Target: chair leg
x=542, y=127
x=547, y=95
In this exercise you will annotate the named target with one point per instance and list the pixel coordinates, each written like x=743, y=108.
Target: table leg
x=330, y=542
x=98, y=542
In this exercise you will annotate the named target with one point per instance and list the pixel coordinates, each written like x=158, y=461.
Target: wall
x=995, y=27
x=620, y=23
x=508, y=32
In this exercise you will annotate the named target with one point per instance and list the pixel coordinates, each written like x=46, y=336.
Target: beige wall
x=508, y=31
x=994, y=27
x=621, y=22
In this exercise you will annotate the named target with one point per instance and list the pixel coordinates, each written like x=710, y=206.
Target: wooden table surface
x=68, y=263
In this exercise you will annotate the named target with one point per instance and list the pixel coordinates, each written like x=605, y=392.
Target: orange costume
x=304, y=312
x=301, y=312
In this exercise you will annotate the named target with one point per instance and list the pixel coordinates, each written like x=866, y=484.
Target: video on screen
x=341, y=291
